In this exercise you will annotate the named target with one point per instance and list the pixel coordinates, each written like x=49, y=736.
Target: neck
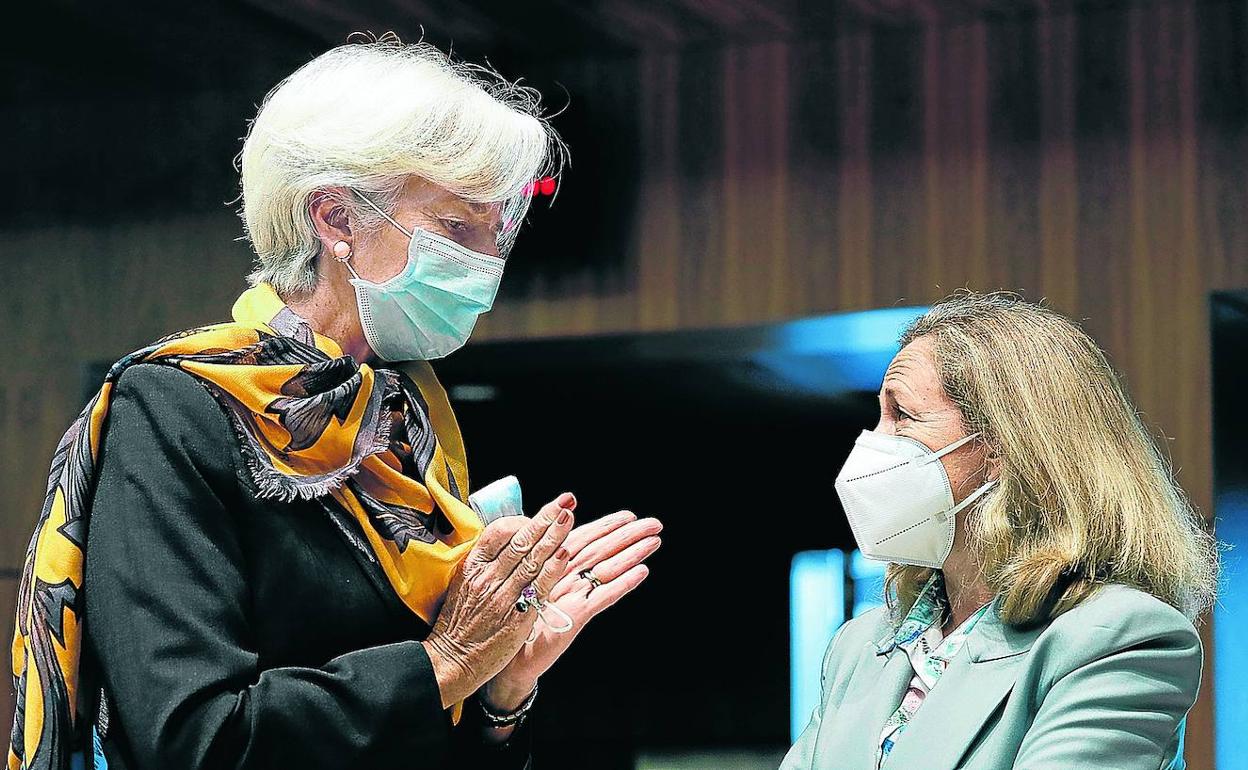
x=965, y=587
x=332, y=312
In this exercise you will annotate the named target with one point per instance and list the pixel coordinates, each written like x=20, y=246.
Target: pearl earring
x=342, y=251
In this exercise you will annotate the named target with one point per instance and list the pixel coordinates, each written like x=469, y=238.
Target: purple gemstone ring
x=528, y=598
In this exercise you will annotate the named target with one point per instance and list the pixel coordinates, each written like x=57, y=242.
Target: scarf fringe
x=61, y=560
x=273, y=484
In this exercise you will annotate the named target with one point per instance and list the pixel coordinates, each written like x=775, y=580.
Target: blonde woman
x=1044, y=568
x=257, y=548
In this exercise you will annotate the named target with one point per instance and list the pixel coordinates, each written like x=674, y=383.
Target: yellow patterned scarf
x=383, y=443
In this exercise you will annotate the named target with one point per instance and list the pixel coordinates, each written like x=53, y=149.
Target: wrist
x=499, y=726
x=503, y=696
x=452, y=676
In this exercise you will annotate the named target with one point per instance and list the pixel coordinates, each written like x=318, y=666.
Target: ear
x=330, y=218
x=992, y=463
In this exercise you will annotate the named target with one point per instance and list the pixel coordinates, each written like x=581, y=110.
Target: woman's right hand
x=479, y=630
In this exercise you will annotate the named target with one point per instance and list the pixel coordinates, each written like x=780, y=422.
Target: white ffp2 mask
x=898, y=500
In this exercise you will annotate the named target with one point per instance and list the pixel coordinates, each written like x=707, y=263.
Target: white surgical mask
x=429, y=309
x=899, y=501
x=498, y=499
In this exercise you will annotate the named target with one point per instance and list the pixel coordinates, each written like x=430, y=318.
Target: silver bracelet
x=512, y=718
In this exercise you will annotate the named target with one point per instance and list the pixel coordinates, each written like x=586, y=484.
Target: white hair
x=367, y=117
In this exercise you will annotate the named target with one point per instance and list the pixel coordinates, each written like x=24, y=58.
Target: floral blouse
x=929, y=652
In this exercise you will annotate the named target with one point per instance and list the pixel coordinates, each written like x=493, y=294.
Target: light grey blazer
x=1105, y=685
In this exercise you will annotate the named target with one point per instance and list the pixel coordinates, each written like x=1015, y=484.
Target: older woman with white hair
x=258, y=549
x=1044, y=568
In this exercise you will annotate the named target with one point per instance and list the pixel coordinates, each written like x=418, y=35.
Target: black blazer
x=225, y=631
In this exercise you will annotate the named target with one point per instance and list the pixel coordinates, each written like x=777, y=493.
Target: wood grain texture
x=75, y=296
x=1097, y=159
x=8, y=601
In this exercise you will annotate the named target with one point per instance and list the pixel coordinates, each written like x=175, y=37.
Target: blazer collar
x=993, y=640
x=990, y=640
x=978, y=679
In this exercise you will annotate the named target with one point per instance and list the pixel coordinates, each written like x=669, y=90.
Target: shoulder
x=159, y=384
x=851, y=645
x=168, y=392
x=870, y=626
x=161, y=407
x=855, y=637
x=1124, y=630
x=1118, y=615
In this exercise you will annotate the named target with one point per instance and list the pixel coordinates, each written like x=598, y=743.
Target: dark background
x=739, y=468
x=135, y=110
x=735, y=162
x=1230, y=452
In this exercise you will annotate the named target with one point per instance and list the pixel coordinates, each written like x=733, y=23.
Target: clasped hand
x=479, y=636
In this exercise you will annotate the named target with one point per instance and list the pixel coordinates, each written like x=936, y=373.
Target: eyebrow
x=481, y=211
x=890, y=390
x=893, y=384
x=898, y=390
x=450, y=211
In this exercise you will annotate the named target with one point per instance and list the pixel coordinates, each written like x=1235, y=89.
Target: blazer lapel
x=873, y=693
x=976, y=682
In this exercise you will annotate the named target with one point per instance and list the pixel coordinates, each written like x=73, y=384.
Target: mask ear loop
x=972, y=497
x=564, y=627
x=377, y=208
x=388, y=218
x=940, y=516
x=346, y=258
x=934, y=456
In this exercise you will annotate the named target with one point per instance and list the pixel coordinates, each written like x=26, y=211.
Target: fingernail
x=567, y=500
x=564, y=515
x=561, y=554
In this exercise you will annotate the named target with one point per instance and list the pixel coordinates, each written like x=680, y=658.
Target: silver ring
x=588, y=574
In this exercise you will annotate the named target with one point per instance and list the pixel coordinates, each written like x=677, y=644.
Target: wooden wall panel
x=76, y=295
x=8, y=602
x=1098, y=159
x=855, y=267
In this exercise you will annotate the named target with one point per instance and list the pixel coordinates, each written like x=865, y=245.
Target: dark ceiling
x=67, y=45
x=149, y=99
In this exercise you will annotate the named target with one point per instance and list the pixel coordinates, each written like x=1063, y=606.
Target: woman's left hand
x=614, y=548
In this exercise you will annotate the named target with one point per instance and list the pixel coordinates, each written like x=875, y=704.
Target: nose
x=885, y=426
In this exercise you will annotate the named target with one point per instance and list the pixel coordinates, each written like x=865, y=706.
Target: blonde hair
x=370, y=115
x=1084, y=496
